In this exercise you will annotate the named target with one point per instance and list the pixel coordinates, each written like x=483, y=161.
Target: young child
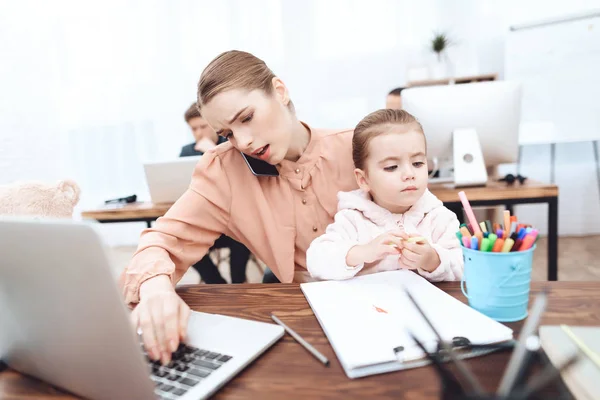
x=373, y=224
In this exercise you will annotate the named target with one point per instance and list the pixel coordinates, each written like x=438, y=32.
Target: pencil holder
x=497, y=284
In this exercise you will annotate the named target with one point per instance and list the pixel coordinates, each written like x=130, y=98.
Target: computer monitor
x=468, y=127
x=168, y=180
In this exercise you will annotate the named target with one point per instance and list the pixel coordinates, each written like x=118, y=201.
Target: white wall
x=482, y=26
x=90, y=89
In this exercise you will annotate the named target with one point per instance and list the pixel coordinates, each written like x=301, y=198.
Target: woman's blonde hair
x=375, y=124
x=234, y=69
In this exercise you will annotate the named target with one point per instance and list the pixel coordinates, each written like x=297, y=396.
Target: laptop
x=64, y=321
x=168, y=180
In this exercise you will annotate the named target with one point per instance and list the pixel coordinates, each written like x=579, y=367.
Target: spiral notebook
x=367, y=317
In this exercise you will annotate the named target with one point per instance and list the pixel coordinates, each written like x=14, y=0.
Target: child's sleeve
x=446, y=244
x=326, y=256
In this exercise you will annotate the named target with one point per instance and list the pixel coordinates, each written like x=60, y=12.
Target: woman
x=275, y=217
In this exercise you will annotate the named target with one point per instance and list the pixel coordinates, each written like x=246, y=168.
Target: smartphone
x=260, y=167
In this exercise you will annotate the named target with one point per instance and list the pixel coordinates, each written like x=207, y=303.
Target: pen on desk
x=303, y=342
x=518, y=355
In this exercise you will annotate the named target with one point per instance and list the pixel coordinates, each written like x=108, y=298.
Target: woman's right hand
x=162, y=316
x=383, y=245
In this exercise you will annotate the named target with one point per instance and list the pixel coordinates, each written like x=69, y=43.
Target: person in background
x=206, y=139
x=394, y=99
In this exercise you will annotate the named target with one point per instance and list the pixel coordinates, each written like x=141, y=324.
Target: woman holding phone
x=273, y=187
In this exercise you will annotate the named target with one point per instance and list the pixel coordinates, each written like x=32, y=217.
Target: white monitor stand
x=469, y=165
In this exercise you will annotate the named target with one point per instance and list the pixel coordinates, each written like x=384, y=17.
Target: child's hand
x=419, y=255
x=380, y=247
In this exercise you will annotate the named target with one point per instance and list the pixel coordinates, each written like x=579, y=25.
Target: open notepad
x=367, y=317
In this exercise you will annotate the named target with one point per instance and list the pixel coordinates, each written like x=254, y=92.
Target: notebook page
x=365, y=318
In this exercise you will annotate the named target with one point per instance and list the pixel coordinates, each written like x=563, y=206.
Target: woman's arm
x=186, y=232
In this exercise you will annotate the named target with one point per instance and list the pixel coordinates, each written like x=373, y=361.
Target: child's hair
x=235, y=69
x=192, y=112
x=378, y=123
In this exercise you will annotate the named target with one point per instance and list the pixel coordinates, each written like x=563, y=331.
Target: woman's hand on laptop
x=162, y=317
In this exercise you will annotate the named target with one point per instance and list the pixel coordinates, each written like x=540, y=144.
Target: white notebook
x=367, y=317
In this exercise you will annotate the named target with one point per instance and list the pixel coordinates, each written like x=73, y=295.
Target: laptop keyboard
x=189, y=366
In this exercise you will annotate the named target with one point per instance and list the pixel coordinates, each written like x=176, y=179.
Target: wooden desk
x=494, y=194
x=502, y=194
x=132, y=212
x=287, y=371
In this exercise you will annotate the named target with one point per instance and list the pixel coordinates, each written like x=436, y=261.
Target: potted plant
x=439, y=44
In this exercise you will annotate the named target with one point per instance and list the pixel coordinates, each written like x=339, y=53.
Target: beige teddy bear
x=39, y=199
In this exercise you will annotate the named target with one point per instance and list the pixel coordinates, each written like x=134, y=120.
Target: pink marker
x=466, y=242
x=469, y=212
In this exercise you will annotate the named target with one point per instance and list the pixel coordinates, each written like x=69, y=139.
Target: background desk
x=501, y=194
x=494, y=194
x=287, y=371
x=132, y=212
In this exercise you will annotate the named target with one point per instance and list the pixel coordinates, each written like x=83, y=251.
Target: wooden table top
x=495, y=190
x=136, y=210
x=287, y=371
x=445, y=192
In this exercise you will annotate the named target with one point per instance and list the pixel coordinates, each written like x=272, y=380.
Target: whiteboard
x=558, y=63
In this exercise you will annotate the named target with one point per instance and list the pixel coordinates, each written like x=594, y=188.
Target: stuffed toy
x=39, y=199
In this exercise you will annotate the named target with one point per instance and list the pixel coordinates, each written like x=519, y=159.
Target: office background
x=90, y=90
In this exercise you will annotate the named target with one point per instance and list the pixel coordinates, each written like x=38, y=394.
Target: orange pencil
x=479, y=236
x=513, y=218
x=506, y=220
x=498, y=246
